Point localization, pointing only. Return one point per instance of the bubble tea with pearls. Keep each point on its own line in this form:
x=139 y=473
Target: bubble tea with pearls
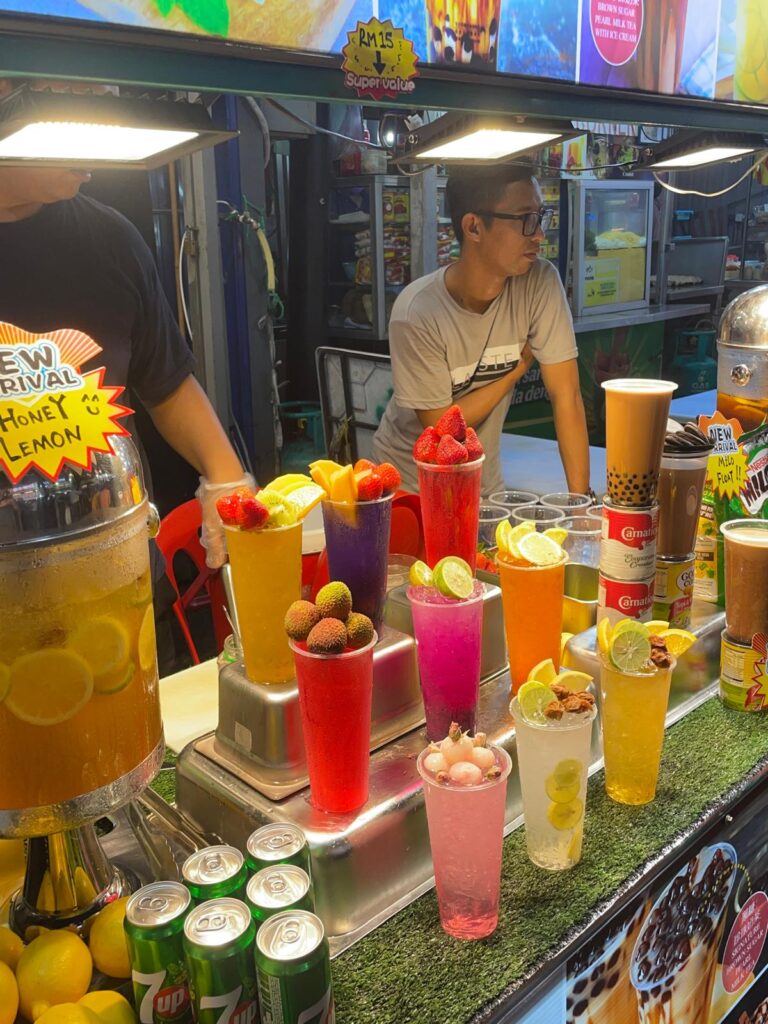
x=636 y=412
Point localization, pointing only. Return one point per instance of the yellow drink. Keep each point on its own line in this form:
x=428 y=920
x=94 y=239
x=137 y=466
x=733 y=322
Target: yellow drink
x=266 y=576
x=634 y=708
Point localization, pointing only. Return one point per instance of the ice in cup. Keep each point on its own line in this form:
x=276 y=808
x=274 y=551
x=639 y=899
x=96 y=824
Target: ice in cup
x=674 y=961
x=532 y=577
x=681 y=485
x=636 y=412
x=333 y=651
x=746 y=578
x=465 y=792
x=553 y=730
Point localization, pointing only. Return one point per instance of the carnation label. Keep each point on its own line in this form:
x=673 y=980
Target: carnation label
x=628 y=544
x=624 y=599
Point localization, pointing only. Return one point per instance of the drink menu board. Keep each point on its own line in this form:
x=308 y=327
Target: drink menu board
x=712 y=49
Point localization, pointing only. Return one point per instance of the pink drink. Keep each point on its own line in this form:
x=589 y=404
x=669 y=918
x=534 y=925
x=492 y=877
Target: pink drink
x=450 y=510
x=466 y=829
x=449 y=633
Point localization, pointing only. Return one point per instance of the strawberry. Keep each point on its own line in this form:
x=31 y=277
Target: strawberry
x=228 y=508
x=474 y=448
x=450 y=452
x=363 y=464
x=452 y=423
x=425 y=449
x=390 y=477
x=369 y=487
x=252 y=514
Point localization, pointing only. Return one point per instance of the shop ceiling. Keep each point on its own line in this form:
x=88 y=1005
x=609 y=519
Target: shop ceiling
x=32 y=48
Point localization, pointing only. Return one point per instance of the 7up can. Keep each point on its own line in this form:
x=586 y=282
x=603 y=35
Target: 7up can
x=214 y=872
x=218 y=943
x=280 y=842
x=154 y=925
x=294 y=970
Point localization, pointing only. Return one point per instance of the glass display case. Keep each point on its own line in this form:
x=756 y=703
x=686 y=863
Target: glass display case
x=369 y=253
x=611 y=245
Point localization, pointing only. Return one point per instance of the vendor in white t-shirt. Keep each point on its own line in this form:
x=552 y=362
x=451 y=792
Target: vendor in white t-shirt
x=468 y=332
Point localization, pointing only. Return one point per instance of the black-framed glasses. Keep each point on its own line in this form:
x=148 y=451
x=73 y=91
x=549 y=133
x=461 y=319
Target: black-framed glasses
x=531 y=221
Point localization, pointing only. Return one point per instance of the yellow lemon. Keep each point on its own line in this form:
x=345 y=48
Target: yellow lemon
x=107 y=940
x=564 y=652
x=110 y=1007
x=604 y=632
x=9 y=995
x=5 y=681
x=49 y=686
x=55 y=968
x=11 y=948
x=573 y=680
x=147 y=643
x=538 y=549
x=557 y=534
x=566 y=815
x=544 y=672
x=105 y=644
x=69 y=1013
x=678 y=640
x=656 y=626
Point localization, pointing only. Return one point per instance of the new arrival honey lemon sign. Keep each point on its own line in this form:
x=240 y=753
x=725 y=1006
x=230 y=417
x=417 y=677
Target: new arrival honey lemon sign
x=50 y=413
x=378 y=60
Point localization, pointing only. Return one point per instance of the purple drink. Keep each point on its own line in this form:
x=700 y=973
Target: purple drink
x=357 y=545
x=448 y=633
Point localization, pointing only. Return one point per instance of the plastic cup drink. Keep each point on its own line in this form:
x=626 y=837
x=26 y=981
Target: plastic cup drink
x=543 y=517
x=746 y=578
x=335 y=693
x=450 y=510
x=490 y=517
x=218 y=946
x=532 y=600
x=357 y=545
x=449 y=634
x=633 y=711
x=583 y=541
x=553 y=758
x=466 y=829
x=636 y=413
x=266 y=577
x=214 y=872
x=513 y=499
x=570 y=502
x=681 y=486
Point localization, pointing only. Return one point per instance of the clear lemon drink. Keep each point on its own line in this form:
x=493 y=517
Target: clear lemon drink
x=79 y=703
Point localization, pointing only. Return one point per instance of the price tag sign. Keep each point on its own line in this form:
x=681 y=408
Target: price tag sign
x=379 y=61
x=50 y=413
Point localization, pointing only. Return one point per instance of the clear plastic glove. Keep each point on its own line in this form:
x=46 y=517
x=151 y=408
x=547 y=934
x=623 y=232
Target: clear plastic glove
x=212 y=535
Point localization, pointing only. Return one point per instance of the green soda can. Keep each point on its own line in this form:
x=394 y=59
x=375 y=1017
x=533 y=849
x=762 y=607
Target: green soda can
x=294 y=969
x=154 y=927
x=277 y=843
x=273 y=890
x=214 y=872
x=218 y=944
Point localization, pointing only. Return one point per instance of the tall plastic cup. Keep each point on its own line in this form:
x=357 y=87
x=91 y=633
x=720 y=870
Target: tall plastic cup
x=466 y=830
x=335 y=692
x=532 y=600
x=633 y=712
x=450 y=510
x=266 y=578
x=681 y=485
x=449 y=634
x=746 y=578
x=357 y=544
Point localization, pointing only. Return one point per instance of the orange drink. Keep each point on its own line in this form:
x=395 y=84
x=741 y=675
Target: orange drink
x=266 y=576
x=79 y=703
x=532 y=598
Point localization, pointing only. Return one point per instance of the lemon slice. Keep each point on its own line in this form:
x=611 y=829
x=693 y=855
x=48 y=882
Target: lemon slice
x=656 y=626
x=557 y=534
x=574 y=847
x=604 y=632
x=503 y=530
x=453 y=577
x=538 y=549
x=561 y=792
x=567 y=772
x=533 y=697
x=508 y=536
x=565 y=816
x=545 y=672
x=623 y=624
x=420 y=575
x=573 y=680
x=105 y=644
x=677 y=640
x=5 y=681
x=116 y=683
x=303 y=499
x=630 y=648
x=49 y=686
x=147 y=642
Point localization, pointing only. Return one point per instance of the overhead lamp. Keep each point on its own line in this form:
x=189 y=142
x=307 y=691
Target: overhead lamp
x=72 y=130
x=471 y=139
x=687 y=150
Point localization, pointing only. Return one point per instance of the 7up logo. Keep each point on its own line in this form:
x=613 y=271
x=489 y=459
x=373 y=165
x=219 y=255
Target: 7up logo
x=233 y=1010
x=158 y=1005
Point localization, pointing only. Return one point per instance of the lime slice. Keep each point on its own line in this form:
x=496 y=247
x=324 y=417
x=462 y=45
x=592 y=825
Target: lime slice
x=622 y=624
x=49 y=686
x=560 y=792
x=538 y=549
x=557 y=534
x=533 y=697
x=565 y=816
x=573 y=680
x=604 y=633
x=656 y=626
x=630 y=649
x=677 y=640
x=420 y=575
x=567 y=772
x=453 y=577
x=147 y=644
x=545 y=672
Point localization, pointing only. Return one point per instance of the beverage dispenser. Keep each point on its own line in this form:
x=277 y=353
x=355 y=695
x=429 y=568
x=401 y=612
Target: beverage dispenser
x=742 y=351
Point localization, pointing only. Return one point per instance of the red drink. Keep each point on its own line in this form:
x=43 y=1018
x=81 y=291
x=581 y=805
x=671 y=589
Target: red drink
x=335 y=697
x=450 y=510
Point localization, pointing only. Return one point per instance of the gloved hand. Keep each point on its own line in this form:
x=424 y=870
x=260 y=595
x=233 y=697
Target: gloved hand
x=212 y=536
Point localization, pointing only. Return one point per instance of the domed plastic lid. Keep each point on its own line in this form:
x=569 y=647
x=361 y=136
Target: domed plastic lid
x=744 y=322
x=38 y=511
